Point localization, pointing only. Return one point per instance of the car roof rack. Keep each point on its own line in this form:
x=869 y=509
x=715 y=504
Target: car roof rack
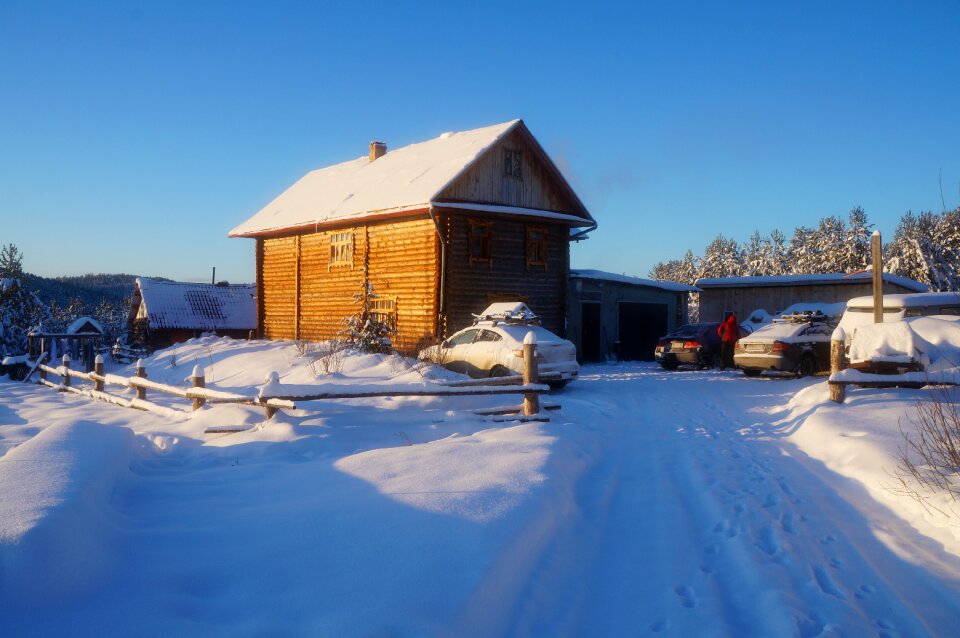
x=806 y=315
x=509 y=318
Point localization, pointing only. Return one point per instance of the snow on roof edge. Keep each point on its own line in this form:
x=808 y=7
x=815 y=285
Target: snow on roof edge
x=808 y=279
x=601 y=275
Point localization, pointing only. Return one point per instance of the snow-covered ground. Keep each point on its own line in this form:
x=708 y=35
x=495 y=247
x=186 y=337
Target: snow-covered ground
x=694 y=503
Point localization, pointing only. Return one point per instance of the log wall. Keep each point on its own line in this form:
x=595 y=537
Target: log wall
x=306 y=297
x=472 y=287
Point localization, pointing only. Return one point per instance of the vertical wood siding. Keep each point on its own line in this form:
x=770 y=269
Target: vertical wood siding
x=486 y=182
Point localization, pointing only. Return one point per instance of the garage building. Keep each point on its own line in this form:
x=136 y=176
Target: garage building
x=612 y=316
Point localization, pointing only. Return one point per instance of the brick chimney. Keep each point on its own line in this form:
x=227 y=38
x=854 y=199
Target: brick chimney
x=377 y=149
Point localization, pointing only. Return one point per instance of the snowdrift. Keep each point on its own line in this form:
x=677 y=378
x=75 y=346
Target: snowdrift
x=55 y=518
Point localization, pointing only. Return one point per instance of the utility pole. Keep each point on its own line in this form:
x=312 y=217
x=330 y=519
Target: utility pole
x=877 y=277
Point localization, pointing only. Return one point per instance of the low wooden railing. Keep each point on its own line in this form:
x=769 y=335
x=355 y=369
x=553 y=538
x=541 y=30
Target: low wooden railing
x=274 y=396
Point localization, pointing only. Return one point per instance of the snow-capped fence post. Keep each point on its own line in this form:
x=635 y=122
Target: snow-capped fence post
x=141 y=372
x=98 y=370
x=65 y=378
x=531 y=374
x=837 y=363
x=269 y=388
x=199 y=381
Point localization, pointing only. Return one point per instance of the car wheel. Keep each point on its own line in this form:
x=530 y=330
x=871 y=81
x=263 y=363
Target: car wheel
x=669 y=364
x=500 y=371
x=558 y=385
x=747 y=372
x=807 y=367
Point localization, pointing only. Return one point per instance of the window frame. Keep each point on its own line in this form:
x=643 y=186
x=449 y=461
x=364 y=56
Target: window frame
x=531 y=259
x=341 y=249
x=513 y=163
x=472 y=226
x=384 y=310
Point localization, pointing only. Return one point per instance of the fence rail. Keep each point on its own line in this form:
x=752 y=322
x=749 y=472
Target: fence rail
x=272 y=396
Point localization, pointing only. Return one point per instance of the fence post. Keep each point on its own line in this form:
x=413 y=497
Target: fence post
x=199 y=381
x=273 y=378
x=142 y=373
x=98 y=370
x=837 y=363
x=531 y=374
x=65 y=380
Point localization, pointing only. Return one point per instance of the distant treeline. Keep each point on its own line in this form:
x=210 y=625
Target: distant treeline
x=925 y=247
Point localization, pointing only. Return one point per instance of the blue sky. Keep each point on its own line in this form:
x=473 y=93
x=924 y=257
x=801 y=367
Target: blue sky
x=134 y=136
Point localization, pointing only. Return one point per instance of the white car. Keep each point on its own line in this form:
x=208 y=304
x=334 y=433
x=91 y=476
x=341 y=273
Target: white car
x=493 y=347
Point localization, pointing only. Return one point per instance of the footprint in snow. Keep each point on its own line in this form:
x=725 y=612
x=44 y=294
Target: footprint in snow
x=786 y=523
x=865 y=591
x=829 y=538
x=660 y=625
x=688 y=597
x=836 y=563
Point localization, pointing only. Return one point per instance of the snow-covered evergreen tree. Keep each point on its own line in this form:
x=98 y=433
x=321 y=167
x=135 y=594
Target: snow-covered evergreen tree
x=829 y=241
x=20 y=311
x=856 y=245
x=804 y=255
x=776 y=255
x=722 y=258
x=754 y=257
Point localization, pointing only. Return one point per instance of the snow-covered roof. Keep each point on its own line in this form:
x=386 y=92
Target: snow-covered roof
x=859 y=277
x=198 y=306
x=74 y=327
x=406 y=179
x=908 y=300
x=635 y=281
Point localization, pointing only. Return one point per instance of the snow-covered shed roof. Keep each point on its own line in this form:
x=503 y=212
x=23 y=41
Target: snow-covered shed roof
x=191 y=306
x=635 y=281
x=84 y=322
x=406 y=179
x=859 y=277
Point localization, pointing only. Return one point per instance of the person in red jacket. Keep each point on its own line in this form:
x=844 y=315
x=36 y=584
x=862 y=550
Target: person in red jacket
x=729 y=332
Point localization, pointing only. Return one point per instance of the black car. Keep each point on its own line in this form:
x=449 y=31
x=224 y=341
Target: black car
x=695 y=344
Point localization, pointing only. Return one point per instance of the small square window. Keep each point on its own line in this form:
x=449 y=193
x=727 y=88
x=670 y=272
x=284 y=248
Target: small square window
x=536 y=246
x=511 y=163
x=341 y=249
x=480 y=239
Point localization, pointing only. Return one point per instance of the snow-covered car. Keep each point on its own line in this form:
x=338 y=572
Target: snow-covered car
x=493 y=347
x=896 y=307
x=797 y=343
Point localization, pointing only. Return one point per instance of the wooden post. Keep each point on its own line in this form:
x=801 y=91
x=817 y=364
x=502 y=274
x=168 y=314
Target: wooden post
x=98 y=370
x=199 y=381
x=838 y=362
x=531 y=374
x=65 y=380
x=877 y=251
x=142 y=373
x=269 y=385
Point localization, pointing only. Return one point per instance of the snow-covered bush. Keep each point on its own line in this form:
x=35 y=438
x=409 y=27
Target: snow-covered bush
x=369 y=330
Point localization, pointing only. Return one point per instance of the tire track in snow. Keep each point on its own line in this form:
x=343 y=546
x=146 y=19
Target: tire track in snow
x=691 y=519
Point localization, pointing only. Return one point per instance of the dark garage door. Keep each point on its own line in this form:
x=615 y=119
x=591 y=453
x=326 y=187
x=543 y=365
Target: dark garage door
x=641 y=324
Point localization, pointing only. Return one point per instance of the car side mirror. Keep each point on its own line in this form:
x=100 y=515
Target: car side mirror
x=445 y=344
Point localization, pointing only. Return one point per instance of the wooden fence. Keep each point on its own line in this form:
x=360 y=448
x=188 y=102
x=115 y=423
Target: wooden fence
x=272 y=397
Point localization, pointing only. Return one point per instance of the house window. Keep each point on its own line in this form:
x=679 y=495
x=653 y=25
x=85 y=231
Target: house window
x=480 y=242
x=511 y=163
x=341 y=249
x=384 y=311
x=536 y=246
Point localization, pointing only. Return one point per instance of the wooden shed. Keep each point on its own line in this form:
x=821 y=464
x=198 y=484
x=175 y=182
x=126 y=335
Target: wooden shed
x=743 y=295
x=166 y=312
x=616 y=316
x=436 y=231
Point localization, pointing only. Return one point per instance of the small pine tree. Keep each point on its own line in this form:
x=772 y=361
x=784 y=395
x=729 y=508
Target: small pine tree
x=368 y=330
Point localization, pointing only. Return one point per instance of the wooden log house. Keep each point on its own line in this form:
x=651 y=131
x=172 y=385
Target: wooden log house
x=436 y=230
